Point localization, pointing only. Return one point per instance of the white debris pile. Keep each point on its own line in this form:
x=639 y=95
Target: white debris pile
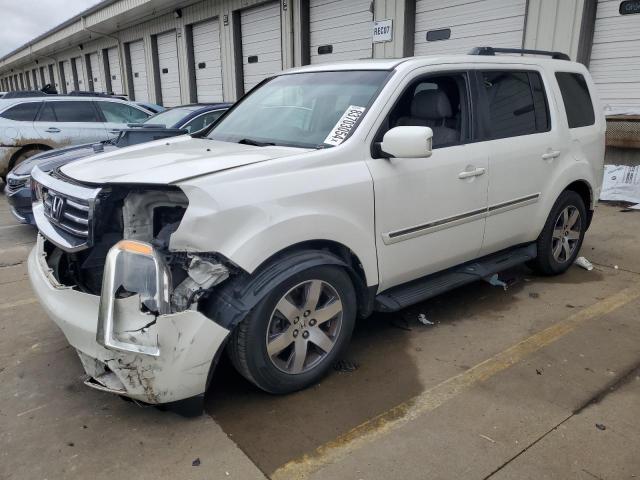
x=621 y=183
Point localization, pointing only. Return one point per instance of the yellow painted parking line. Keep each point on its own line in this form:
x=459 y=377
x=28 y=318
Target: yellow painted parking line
x=430 y=399
x=17 y=303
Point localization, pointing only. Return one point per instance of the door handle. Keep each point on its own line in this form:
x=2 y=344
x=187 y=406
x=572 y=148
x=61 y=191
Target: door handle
x=551 y=155
x=115 y=131
x=52 y=130
x=472 y=173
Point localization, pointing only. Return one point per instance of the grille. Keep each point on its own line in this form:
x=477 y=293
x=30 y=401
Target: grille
x=66 y=213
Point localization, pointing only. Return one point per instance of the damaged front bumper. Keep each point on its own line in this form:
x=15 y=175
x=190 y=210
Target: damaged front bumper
x=146 y=354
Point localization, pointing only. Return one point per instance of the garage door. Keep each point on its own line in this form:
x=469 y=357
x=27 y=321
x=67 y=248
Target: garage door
x=115 y=75
x=615 y=59
x=261 y=43
x=452 y=26
x=340 y=30
x=139 y=71
x=83 y=85
x=96 y=77
x=68 y=76
x=168 y=66
x=206 y=56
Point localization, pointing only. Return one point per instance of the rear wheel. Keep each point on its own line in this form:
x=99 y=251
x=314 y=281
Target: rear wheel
x=293 y=336
x=562 y=236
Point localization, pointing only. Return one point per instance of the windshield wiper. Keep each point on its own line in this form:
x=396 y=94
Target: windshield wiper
x=255 y=143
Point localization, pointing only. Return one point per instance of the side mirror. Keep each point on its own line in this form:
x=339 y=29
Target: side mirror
x=407 y=142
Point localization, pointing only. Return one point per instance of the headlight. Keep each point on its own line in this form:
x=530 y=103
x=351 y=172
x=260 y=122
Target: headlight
x=36 y=190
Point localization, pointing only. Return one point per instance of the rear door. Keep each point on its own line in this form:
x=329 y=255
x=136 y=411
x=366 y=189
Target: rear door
x=70 y=122
x=524 y=153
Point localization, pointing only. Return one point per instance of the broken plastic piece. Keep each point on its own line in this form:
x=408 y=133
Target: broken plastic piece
x=422 y=318
x=496 y=282
x=584 y=263
x=202 y=275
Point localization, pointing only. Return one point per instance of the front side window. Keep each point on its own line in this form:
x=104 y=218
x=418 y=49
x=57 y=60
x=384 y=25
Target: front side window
x=25 y=112
x=576 y=99
x=516 y=103
x=68 y=112
x=120 y=113
x=439 y=102
x=308 y=110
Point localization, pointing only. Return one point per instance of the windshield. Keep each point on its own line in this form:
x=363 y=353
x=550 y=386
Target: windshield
x=310 y=110
x=170 y=117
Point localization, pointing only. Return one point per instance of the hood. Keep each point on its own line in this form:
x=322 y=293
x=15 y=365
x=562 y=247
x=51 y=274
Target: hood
x=52 y=159
x=170 y=160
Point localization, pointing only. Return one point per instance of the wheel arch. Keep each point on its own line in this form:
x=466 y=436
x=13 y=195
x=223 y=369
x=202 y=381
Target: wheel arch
x=230 y=302
x=24 y=148
x=583 y=188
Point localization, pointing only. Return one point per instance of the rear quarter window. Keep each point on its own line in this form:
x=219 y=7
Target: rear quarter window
x=576 y=99
x=25 y=112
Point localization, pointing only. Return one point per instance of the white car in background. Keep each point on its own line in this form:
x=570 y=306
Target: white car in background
x=34 y=124
x=325 y=194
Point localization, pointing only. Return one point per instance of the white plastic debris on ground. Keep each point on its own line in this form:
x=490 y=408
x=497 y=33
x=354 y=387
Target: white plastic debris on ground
x=621 y=183
x=584 y=263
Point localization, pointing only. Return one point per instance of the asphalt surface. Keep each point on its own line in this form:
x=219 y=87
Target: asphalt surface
x=539 y=381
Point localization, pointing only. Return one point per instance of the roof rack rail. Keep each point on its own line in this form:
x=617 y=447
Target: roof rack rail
x=522 y=51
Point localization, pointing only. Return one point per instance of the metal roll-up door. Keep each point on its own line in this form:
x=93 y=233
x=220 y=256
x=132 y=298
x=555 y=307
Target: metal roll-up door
x=206 y=57
x=168 y=66
x=83 y=85
x=139 y=71
x=261 y=43
x=340 y=30
x=615 y=58
x=68 y=75
x=96 y=77
x=114 y=70
x=451 y=26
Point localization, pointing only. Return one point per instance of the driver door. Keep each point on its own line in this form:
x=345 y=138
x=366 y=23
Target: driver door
x=430 y=212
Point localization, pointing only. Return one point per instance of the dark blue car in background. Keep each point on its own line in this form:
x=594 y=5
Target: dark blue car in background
x=187 y=119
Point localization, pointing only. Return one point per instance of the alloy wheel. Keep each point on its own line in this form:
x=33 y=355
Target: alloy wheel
x=304 y=326
x=566 y=234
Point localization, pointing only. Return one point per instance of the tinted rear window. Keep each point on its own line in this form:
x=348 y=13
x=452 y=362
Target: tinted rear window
x=576 y=99
x=517 y=103
x=69 y=112
x=25 y=112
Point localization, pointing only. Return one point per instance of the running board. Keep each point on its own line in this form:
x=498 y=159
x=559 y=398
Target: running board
x=427 y=287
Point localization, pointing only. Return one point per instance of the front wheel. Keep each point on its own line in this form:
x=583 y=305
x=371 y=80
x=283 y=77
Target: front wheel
x=293 y=336
x=562 y=236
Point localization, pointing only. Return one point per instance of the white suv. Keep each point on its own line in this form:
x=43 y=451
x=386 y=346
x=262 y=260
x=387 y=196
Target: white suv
x=327 y=193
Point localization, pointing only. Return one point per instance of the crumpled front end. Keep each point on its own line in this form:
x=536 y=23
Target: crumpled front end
x=126 y=348
x=130 y=305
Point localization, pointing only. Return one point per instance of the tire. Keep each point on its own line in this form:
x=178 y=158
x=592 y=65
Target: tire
x=286 y=320
x=562 y=235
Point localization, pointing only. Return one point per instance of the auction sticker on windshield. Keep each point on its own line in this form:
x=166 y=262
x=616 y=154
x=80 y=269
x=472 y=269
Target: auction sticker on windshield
x=340 y=132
